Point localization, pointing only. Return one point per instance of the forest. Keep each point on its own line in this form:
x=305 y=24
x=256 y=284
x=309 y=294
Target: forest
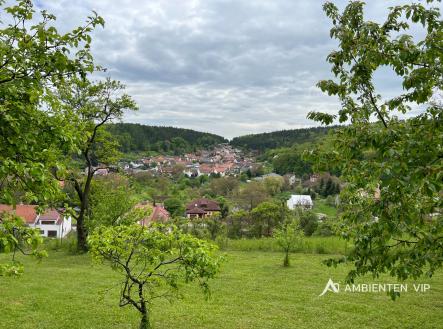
x=277 y=139
x=133 y=137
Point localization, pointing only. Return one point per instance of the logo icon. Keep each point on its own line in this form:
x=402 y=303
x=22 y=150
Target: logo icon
x=331 y=286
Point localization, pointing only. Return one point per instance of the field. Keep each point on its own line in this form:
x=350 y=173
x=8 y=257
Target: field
x=252 y=291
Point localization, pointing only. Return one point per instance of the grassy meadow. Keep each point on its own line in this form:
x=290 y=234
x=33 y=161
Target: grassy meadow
x=253 y=290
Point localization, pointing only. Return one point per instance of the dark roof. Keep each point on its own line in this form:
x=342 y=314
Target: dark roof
x=204 y=204
x=196 y=211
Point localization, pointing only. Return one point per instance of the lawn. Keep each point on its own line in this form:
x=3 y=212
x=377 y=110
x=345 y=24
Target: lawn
x=320 y=206
x=252 y=291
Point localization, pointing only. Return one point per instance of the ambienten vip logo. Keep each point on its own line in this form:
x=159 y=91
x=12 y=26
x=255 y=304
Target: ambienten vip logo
x=334 y=287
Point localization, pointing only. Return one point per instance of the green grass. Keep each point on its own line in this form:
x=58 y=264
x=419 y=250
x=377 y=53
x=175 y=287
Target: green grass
x=320 y=206
x=252 y=291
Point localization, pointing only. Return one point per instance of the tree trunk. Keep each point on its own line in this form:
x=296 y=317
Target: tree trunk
x=83 y=195
x=81 y=234
x=144 y=323
x=286 y=260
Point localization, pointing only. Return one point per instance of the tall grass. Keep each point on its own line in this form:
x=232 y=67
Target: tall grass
x=68 y=243
x=311 y=245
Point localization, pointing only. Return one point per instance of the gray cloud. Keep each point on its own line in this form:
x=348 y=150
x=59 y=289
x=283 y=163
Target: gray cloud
x=230 y=67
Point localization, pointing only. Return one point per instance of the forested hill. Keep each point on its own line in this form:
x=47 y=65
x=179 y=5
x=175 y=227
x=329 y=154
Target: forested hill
x=137 y=138
x=276 y=139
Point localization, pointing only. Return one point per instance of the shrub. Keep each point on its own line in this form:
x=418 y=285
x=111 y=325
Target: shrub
x=308 y=222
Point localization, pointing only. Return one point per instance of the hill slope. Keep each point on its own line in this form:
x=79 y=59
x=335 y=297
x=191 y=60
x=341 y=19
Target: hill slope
x=138 y=138
x=276 y=139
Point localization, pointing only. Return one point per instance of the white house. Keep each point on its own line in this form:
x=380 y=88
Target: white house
x=51 y=223
x=298 y=200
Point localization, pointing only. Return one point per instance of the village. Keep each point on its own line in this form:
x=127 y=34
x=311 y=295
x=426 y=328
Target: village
x=222 y=160
x=221 y=164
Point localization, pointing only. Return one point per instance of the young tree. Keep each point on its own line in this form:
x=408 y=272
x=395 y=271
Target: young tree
x=393 y=168
x=94 y=104
x=288 y=236
x=154 y=262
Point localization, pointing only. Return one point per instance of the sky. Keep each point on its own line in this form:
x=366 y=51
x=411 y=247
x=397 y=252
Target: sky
x=229 y=67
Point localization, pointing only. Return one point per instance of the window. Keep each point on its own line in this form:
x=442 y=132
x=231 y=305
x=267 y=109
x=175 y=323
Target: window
x=47 y=222
x=52 y=234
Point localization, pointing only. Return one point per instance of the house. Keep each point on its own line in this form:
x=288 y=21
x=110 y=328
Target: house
x=52 y=223
x=202 y=208
x=158 y=214
x=298 y=200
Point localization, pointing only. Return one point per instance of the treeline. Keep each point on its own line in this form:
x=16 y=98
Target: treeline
x=134 y=137
x=277 y=139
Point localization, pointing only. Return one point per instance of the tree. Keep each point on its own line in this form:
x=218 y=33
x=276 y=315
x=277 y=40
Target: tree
x=223 y=186
x=239 y=224
x=154 y=262
x=16 y=236
x=224 y=206
x=175 y=207
x=290 y=161
x=393 y=168
x=110 y=199
x=252 y=194
x=215 y=226
x=34 y=59
x=266 y=216
x=94 y=104
x=273 y=185
x=308 y=222
x=287 y=237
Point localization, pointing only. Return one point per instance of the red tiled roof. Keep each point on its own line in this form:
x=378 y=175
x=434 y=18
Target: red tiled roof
x=159 y=214
x=51 y=214
x=27 y=212
x=206 y=169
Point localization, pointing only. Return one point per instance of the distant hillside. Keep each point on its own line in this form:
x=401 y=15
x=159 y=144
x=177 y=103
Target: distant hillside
x=138 y=138
x=276 y=139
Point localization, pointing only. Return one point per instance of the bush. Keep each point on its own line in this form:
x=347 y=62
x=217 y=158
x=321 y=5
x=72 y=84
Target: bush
x=308 y=222
x=324 y=229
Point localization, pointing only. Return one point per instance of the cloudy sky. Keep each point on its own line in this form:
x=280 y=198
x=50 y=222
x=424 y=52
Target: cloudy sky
x=230 y=67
